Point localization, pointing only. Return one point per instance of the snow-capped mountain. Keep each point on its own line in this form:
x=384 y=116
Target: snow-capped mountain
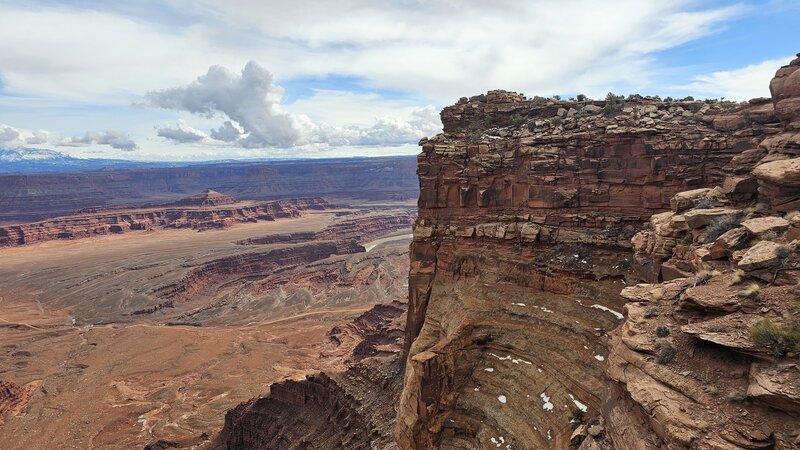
x=30 y=160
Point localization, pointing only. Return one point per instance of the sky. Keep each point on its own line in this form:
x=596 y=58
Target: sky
x=179 y=80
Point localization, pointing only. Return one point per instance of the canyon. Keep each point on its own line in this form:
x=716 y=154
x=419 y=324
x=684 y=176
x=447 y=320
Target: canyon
x=38 y=196
x=593 y=275
x=143 y=336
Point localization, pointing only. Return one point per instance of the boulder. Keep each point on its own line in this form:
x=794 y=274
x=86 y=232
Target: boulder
x=776 y=386
x=782 y=173
x=687 y=199
x=763 y=255
x=698 y=218
x=729 y=241
x=761 y=225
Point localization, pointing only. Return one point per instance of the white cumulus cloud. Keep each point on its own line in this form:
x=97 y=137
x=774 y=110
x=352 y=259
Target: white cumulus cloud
x=113 y=138
x=738 y=84
x=180 y=132
x=256 y=118
x=250 y=98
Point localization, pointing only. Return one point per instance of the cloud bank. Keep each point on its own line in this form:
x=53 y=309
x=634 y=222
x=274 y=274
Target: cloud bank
x=113 y=138
x=251 y=102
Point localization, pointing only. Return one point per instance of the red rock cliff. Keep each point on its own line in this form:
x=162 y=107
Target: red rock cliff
x=526 y=213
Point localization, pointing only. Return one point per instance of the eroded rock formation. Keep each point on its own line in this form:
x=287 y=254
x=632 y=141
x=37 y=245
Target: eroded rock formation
x=707 y=359
x=349 y=409
x=34 y=197
x=197 y=212
x=526 y=213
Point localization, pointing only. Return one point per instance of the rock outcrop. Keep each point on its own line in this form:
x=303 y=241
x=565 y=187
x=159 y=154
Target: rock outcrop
x=350 y=409
x=523 y=241
x=13 y=398
x=34 y=197
x=707 y=359
x=199 y=212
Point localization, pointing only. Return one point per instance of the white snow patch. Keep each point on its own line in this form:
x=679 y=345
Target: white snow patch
x=502 y=399
x=518 y=304
x=489 y=369
x=580 y=405
x=547 y=405
x=599 y=357
x=607 y=309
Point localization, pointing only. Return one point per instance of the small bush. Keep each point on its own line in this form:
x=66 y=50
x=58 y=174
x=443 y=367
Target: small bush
x=517 y=120
x=578 y=415
x=581 y=98
x=652 y=312
x=753 y=292
x=769 y=236
x=721 y=225
x=703 y=277
x=614 y=103
x=688 y=98
x=531 y=125
x=781 y=339
x=706 y=203
x=738 y=276
x=658 y=294
x=735 y=396
x=662 y=331
x=666 y=352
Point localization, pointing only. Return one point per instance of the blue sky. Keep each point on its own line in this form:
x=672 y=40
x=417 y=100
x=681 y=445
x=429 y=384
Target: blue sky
x=202 y=80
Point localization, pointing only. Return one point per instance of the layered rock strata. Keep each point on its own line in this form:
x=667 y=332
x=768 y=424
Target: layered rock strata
x=526 y=213
x=34 y=197
x=352 y=409
x=190 y=215
x=708 y=358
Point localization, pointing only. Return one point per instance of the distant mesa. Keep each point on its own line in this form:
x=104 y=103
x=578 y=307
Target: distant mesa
x=209 y=197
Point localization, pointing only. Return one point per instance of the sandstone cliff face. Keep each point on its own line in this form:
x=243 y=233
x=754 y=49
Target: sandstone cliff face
x=523 y=242
x=185 y=214
x=348 y=409
x=708 y=359
x=32 y=197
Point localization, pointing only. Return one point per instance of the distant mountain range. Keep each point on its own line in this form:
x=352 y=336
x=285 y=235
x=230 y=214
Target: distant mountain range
x=34 y=160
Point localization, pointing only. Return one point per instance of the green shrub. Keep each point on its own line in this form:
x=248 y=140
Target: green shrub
x=666 y=352
x=706 y=203
x=578 y=415
x=652 y=312
x=531 y=125
x=662 y=331
x=720 y=225
x=614 y=103
x=781 y=339
x=517 y=120
x=581 y=98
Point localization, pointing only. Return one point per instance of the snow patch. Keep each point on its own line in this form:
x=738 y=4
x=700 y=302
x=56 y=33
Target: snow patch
x=609 y=310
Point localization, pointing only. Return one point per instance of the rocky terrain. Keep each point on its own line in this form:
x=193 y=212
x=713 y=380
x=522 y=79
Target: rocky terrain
x=34 y=197
x=352 y=409
x=207 y=210
x=528 y=218
x=707 y=357
x=134 y=340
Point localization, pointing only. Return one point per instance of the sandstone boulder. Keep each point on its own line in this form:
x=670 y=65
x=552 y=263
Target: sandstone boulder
x=760 y=225
x=763 y=255
x=698 y=218
x=687 y=199
x=729 y=241
x=783 y=173
x=777 y=386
